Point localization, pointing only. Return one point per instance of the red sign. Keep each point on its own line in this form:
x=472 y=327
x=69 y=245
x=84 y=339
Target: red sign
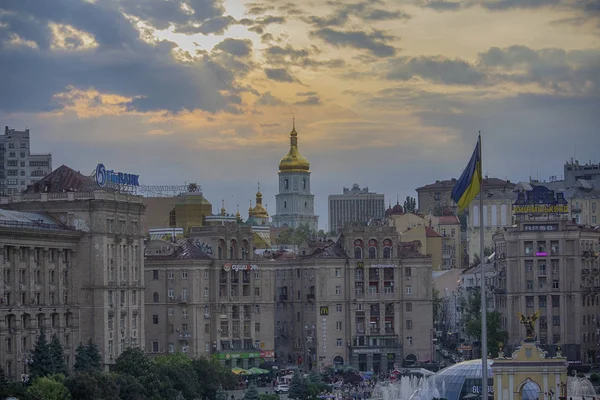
x=267 y=354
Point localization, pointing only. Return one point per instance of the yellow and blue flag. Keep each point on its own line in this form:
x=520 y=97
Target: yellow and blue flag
x=469 y=183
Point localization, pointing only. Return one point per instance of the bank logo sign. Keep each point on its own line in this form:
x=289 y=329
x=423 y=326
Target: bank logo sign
x=104 y=176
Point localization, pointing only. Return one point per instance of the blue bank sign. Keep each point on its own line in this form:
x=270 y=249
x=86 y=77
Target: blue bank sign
x=104 y=176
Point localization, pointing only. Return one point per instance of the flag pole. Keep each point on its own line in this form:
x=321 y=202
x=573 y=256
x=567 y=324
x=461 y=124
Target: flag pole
x=484 y=350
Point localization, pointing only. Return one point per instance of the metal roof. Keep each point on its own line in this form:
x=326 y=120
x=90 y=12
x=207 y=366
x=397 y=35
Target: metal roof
x=27 y=220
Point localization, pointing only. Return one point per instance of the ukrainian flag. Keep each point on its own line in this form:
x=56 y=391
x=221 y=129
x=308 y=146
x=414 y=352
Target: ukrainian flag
x=469 y=184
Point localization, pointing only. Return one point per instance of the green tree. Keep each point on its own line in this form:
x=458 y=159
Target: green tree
x=472 y=319
x=57 y=353
x=221 y=395
x=42 y=363
x=285 y=237
x=87 y=358
x=3 y=383
x=176 y=369
x=93 y=386
x=410 y=205
x=251 y=393
x=298 y=388
x=48 y=388
x=211 y=375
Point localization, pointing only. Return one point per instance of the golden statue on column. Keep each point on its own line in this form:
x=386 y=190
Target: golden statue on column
x=528 y=322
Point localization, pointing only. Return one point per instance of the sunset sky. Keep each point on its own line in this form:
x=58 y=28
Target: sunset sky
x=388 y=94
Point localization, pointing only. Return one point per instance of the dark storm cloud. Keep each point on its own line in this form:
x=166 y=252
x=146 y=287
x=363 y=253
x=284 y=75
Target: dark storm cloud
x=554 y=69
x=362 y=10
x=374 y=42
x=216 y=25
x=310 y=101
x=442 y=5
x=492 y=5
x=162 y=14
x=436 y=69
x=575 y=71
x=506 y=4
x=279 y=74
x=279 y=56
x=267 y=99
x=236 y=47
x=121 y=63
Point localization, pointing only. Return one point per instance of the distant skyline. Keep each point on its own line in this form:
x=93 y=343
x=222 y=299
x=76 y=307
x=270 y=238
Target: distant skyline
x=388 y=94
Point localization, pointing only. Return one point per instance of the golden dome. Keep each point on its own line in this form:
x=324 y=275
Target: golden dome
x=294 y=161
x=258 y=211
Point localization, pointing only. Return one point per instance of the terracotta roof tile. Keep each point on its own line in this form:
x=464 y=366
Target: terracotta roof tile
x=449 y=220
x=429 y=232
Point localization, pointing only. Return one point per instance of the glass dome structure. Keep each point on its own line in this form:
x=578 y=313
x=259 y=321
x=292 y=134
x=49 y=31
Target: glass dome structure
x=463 y=379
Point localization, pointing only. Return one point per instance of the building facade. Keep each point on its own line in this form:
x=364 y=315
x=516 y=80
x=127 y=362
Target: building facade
x=574 y=171
x=18 y=166
x=106 y=279
x=497 y=215
x=354 y=206
x=436 y=197
x=448 y=226
x=294 y=204
x=550 y=264
x=364 y=300
x=38 y=257
x=208 y=294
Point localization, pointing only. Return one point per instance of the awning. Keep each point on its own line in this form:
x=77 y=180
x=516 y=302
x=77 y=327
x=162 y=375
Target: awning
x=241 y=371
x=258 y=371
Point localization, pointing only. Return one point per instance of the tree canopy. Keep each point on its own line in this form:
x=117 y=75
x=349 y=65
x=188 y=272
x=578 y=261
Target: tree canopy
x=410 y=205
x=471 y=306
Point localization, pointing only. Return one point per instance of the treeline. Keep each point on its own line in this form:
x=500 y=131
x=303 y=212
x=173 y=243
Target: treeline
x=135 y=376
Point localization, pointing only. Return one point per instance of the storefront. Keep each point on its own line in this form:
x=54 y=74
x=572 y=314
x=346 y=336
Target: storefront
x=245 y=359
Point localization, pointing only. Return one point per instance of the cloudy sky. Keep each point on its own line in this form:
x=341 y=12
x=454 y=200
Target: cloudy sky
x=389 y=94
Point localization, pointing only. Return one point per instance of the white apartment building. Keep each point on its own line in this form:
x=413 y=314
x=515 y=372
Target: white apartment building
x=354 y=205
x=18 y=166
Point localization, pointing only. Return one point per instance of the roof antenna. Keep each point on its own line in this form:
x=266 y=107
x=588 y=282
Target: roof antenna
x=293 y=122
x=259 y=186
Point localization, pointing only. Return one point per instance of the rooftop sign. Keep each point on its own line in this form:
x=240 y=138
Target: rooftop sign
x=104 y=176
x=540 y=200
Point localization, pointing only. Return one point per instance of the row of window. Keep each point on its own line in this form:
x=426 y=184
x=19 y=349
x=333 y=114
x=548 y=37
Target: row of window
x=11 y=145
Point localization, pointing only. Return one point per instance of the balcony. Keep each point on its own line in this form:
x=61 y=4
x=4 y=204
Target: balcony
x=310 y=296
x=389 y=330
x=375 y=331
x=283 y=297
x=185 y=335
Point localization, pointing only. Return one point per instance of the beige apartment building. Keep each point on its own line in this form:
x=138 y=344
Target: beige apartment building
x=435 y=197
x=550 y=264
x=209 y=294
x=37 y=260
x=363 y=300
x=101 y=271
x=497 y=215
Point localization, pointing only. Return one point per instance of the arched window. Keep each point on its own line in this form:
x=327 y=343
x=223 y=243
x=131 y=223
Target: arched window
x=243 y=253
x=220 y=253
x=387 y=252
x=285 y=204
x=303 y=183
x=155 y=297
x=372 y=252
x=231 y=252
x=305 y=205
x=357 y=253
x=475 y=216
x=286 y=184
x=494 y=215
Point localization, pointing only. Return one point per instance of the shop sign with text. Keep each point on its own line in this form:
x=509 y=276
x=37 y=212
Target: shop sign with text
x=238 y=354
x=240 y=267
